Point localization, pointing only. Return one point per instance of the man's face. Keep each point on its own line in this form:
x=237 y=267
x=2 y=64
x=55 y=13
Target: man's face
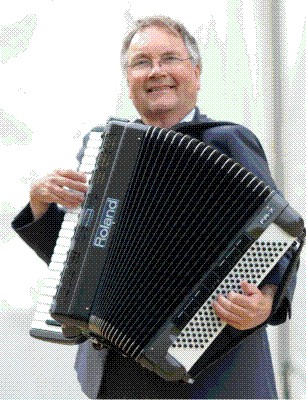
x=163 y=88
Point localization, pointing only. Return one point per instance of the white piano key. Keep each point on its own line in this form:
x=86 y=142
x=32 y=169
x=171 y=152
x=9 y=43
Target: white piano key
x=72 y=211
x=71 y=217
x=86 y=168
x=60 y=250
x=41 y=316
x=68 y=225
x=43 y=308
x=46 y=299
x=88 y=176
x=58 y=257
x=91 y=152
x=94 y=147
x=50 y=283
x=89 y=161
x=53 y=273
x=66 y=233
x=63 y=242
x=57 y=265
x=96 y=136
x=48 y=291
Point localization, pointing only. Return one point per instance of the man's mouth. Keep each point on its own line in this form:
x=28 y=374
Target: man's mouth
x=159 y=88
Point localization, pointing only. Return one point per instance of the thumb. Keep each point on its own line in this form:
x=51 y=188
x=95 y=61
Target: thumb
x=249 y=288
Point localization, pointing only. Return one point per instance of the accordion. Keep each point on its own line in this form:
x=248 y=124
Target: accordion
x=168 y=223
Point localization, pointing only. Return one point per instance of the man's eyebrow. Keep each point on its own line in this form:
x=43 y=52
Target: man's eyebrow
x=170 y=53
x=145 y=55
x=140 y=55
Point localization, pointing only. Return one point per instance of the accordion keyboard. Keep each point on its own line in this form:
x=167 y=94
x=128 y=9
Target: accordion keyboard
x=43 y=326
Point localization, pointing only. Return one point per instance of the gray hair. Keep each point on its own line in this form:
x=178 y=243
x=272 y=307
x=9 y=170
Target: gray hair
x=166 y=23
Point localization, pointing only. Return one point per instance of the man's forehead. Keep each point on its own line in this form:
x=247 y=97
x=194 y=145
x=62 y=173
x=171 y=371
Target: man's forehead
x=154 y=35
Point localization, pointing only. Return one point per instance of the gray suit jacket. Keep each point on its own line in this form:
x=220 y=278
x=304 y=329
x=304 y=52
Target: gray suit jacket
x=245 y=372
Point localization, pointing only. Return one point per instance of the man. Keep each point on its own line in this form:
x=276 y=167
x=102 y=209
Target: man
x=162 y=63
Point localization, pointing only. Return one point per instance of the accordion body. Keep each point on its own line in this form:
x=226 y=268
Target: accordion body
x=168 y=223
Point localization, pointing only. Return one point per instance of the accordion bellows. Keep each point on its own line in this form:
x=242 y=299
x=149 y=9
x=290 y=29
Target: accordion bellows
x=168 y=224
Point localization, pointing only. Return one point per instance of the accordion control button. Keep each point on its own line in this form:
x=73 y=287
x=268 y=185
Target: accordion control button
x=233 y=257
x=202 y=295
x=181 y=320
x=212 y=281
x=191 y=308
x=244 y=243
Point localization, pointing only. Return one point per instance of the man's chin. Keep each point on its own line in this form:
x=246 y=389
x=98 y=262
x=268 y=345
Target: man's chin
x=161 y=108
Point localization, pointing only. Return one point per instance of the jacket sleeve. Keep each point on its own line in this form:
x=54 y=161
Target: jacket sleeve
x=40 y=235
x=243 y=146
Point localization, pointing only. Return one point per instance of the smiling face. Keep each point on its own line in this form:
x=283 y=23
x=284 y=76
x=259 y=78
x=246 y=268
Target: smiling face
x=165 y=92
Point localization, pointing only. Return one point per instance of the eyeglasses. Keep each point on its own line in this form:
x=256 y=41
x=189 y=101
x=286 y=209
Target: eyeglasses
x=146 y=64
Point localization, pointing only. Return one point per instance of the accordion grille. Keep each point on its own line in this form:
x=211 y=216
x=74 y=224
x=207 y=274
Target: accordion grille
x=186 y=201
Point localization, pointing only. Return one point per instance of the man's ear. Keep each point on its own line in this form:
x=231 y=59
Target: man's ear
x=197 y=72
x=128 y=86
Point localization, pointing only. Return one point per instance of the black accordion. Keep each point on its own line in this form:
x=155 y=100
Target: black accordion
x=168 y=223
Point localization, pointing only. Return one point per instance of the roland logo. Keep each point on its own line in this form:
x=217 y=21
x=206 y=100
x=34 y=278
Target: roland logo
x=266 y=216
x=106 y=222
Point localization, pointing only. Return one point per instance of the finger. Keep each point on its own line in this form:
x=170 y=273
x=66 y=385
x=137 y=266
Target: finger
x=71 y=205
x=63 y=202
x=49 y=198
x=240 y=300
x=251 y=303
x=232 y=307
x=69 y=183
x=225 y=315
x=72 y=174
x=68 y=196
x=249 y=288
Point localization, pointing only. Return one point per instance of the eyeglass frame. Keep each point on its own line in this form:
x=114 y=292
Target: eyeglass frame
x=166 y=60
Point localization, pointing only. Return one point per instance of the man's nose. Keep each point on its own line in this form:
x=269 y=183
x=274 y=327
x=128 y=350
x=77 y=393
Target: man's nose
x=157 y=68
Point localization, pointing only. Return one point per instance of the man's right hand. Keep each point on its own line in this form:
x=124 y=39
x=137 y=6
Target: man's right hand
x=53 y=188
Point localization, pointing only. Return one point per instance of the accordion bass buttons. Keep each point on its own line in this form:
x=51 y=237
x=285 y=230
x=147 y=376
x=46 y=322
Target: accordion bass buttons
x=211 y=282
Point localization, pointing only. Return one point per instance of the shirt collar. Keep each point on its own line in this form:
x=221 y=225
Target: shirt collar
x=189 y=117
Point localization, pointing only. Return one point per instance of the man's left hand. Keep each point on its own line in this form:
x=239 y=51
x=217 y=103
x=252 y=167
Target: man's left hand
x=248 y=310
